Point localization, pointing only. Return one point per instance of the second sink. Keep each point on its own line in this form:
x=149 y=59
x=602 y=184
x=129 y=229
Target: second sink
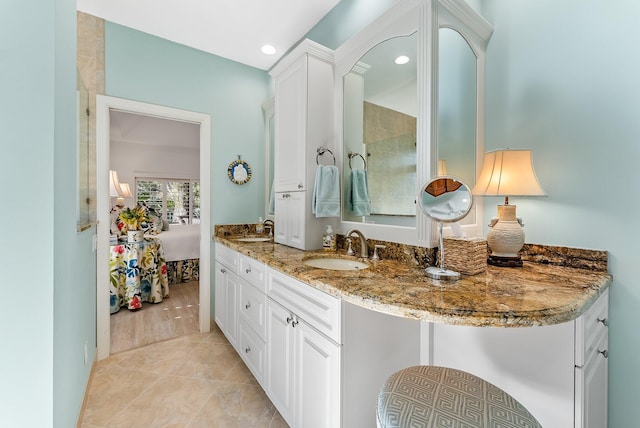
x=335 y=263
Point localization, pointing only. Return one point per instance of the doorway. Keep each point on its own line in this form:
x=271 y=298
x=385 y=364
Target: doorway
x=105 y=106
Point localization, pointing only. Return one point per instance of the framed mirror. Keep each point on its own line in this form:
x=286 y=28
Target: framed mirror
x=449 y=39
x=379 y=131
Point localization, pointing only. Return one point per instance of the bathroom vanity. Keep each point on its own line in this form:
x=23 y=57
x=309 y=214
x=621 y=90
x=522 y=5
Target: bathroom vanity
x=321 y=342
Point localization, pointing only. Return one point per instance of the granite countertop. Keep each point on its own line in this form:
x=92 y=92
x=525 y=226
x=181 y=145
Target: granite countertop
x=533 y=295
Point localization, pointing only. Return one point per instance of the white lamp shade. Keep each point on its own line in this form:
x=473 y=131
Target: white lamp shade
x=114 y=185
x=442 y=167
x=126 y=190
x=508 y=172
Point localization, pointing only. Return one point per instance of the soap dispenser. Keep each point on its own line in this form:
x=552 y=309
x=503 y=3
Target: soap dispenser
x=260 y=226
x=329 y=239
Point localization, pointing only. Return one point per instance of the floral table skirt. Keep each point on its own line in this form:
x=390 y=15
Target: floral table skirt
x=138 y=274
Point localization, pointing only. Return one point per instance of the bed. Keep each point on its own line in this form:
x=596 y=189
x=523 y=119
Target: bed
x=181 y=246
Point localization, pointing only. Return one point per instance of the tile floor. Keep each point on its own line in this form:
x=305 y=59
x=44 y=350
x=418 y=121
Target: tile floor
x=195 y=380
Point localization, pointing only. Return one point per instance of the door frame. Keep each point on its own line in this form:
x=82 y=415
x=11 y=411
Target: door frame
x=104 y=105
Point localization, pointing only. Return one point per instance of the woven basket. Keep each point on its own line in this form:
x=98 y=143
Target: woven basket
x=465 y=255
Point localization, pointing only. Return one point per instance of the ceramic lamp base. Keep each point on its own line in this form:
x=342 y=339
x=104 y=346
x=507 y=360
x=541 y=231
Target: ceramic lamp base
x=506 y=238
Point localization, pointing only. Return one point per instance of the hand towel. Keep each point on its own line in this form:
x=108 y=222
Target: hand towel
x=358 y=193
x=326 y=192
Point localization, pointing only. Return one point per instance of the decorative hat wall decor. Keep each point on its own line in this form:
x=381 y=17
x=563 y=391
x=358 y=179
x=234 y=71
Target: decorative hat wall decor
x=239 y=172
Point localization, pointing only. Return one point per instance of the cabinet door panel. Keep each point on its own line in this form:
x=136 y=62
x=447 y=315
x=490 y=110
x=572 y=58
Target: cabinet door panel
x=317 y=374
x=280 y=356
x=252 y=351
x=591 y=388
x=296 y=219
x=290 y=113
x=231 y=309
x=220 y=287
x=252 y=308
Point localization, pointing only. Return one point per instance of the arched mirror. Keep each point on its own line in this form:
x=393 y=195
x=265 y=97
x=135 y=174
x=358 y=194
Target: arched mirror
x=379 y=134
x=457 y=109
x=438 y=106
x=445 y=200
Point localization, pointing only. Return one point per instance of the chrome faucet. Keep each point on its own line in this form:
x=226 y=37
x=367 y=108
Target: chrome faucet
x=364 y=247
x=270 y=225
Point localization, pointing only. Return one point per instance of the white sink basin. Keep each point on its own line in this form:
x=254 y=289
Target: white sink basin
x=254 y=239
x=335 y=264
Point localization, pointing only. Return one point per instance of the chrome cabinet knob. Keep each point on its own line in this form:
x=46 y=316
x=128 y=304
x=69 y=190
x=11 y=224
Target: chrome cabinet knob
x=300 y=186
x=604 y=353
x=289 y=319
x=294 y=323
x=247 y=349
x=223 y=271
x=248 y=305
x=248 y=270
x=604 y=321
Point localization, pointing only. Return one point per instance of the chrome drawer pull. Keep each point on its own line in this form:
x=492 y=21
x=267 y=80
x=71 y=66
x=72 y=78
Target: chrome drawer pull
x=248 y=305
x=604 y=321
x=604 y=353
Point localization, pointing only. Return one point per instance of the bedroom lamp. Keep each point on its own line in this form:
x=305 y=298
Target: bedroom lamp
x=507 y=172
x=114 y=185
x=125 y=193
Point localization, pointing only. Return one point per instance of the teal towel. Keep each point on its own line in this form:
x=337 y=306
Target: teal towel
x=358 y=193
x=326 y=192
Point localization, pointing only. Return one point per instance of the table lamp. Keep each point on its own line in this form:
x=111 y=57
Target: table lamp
x=507 y=172
x=114 y=185
x=125 y=193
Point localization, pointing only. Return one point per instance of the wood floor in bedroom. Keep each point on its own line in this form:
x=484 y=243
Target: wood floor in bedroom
x=193 y=380
x=174 y=316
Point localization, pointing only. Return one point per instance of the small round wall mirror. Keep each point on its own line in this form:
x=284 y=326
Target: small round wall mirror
x=446 y=200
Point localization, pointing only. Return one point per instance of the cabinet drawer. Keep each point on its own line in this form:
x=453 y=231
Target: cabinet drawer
x=252 y=351
x=252 y=308
x=227 y=257
x=590 y=327
x=318 y=309
x=252 y=271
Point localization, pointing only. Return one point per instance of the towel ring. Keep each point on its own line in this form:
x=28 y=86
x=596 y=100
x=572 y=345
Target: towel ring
x=321 y=151
x=353 y=155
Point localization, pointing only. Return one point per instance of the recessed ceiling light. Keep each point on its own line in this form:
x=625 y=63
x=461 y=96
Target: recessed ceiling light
x=402 y=59
x=268 y=50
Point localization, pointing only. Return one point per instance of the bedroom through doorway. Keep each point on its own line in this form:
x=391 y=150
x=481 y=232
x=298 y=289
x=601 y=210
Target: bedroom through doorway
x=163 y=155
x=159 y=160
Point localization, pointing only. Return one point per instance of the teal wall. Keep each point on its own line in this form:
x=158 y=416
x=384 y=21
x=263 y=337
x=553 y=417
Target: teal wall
x=145 y=68
x=48 y=269
x=562 y=79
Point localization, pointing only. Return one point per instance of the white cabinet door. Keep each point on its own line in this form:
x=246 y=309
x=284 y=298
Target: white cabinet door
x=226 y=301
x=317 y=376
x=290 y=213
x=290 y=127
x=219 y=295
x=231 y=308
x=280 y=356
x=591 y=388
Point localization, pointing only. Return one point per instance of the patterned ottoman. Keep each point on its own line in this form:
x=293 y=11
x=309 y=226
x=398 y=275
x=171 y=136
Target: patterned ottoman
x=431 y=396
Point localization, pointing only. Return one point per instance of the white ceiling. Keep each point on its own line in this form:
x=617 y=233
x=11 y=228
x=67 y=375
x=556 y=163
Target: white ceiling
x=233 y=29
x=141 y=129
